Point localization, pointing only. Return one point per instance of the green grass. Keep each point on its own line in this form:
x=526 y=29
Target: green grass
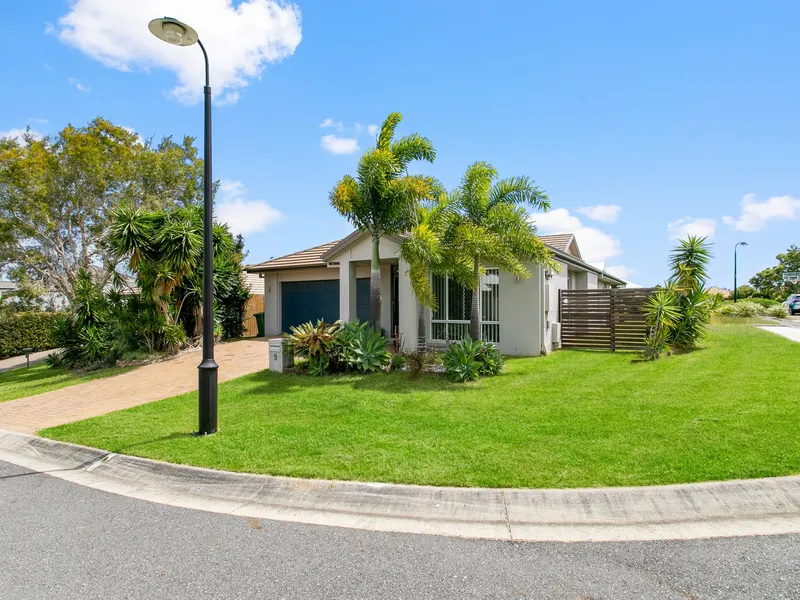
x=572 y=419
x=22 y=382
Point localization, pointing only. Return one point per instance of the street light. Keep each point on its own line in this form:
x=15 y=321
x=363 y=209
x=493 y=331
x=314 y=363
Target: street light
x=176 y=33
x=735 y=248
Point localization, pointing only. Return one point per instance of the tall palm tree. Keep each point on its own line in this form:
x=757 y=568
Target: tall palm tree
x=382 y=198
x=494 y=227
x=428 y=249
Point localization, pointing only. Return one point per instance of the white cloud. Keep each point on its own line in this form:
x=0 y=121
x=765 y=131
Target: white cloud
x=329 y=122
x=373 y=130
x=243 y=216
x=607 y=213
x=46 y=66
x=683 y=228
x=241 y=40
x=620 y=271
x=78 y=85
x=40 y=120
x=18 y=134
x=595 y=245
x=139 y=139
x=756 y=215
x=359 y=127
x=339 y=145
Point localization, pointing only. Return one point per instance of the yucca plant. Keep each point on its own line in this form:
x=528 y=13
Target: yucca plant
x=662 y=312
x=689 y=264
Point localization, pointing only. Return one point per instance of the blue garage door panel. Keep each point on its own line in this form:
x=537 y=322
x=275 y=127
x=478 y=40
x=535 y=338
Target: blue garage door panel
x=362 y=299
x=303 y=301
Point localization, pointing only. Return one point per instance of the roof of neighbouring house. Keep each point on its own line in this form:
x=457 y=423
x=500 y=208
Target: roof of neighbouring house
x=312 y=257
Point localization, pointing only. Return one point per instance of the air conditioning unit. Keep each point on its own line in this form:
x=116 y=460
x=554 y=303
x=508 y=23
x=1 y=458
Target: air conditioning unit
x=555 y=329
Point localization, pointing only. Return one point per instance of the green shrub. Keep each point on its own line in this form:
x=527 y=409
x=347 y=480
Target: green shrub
x=467 y=359
x=398 y=362
x=745 y=309
x=779 y=311
x=313 y=341
x=26 y=330
x=765 y=302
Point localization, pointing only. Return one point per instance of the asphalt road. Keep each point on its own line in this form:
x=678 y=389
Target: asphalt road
x=61 y=540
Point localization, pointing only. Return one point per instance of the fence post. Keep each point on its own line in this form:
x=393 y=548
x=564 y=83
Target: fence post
x=613 y=321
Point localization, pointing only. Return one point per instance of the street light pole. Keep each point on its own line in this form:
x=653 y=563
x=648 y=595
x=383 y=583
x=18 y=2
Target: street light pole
x=174 y=32
x=735 y=248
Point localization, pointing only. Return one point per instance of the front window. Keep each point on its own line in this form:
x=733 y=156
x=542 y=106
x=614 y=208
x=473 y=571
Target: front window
x=450 y=320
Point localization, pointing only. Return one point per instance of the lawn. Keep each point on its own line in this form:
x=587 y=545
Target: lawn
x=21 y=382
x=572 y=419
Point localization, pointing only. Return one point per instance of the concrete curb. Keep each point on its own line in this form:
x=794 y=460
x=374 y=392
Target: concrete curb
x=700 y=510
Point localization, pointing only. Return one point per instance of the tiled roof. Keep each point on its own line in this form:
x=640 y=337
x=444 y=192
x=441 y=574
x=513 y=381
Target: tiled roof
x=305 y=258
x=312 y=257
x=559 y=241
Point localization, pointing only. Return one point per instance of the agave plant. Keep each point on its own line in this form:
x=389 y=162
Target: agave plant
x=370 y=350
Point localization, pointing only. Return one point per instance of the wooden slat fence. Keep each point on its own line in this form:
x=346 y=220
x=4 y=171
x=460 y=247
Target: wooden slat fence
x=254 y=305
x=609 y=319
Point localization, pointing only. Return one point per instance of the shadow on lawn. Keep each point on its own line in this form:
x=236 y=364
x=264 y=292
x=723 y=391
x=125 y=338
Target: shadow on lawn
x=393 y=383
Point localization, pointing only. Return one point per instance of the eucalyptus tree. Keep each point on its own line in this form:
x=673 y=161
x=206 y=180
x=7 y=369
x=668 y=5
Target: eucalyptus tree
x=493 y=227
x=383 y=197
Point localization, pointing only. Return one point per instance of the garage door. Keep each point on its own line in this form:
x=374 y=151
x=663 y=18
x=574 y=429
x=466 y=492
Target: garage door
x=303 y=301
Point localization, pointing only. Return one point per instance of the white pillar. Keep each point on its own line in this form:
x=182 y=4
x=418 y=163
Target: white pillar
x=272 y=304
x=407 y=309
x=347 y=290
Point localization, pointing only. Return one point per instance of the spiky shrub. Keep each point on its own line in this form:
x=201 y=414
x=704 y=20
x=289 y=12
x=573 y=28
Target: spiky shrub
x=342 y=355
x=689 y=265
x=318 y=365
x=370 y=350
x=468 y=359
x=661 y=311
x=313 y=341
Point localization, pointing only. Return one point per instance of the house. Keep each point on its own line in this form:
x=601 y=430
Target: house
x=331 y=282
x=724 y=292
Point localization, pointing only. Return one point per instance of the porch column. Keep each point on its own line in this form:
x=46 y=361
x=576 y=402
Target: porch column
x=347 y=290
x=407 y=308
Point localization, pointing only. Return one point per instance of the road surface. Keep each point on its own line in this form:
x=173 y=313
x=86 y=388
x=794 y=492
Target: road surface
x=62 y=540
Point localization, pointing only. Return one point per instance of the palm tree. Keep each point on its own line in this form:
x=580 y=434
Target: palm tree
x=428 y=249
x=494 y=227
x=382 y=198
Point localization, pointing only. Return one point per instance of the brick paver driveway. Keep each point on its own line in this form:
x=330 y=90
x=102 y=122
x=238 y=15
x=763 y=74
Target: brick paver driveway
x=142 y=385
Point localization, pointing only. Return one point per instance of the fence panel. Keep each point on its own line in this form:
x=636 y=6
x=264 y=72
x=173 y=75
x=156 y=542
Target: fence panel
x=610 y=319
x=254 y=305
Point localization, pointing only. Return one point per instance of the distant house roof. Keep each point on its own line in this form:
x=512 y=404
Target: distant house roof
x=312 y=257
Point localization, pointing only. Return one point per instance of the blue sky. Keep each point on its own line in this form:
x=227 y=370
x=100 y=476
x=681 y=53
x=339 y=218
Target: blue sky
x=676 y=113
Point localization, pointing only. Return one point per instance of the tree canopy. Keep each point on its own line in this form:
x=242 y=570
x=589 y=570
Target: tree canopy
x=769 y=283
x=56 y=195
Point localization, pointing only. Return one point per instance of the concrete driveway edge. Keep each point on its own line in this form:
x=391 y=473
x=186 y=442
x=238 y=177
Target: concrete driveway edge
x=700 y=510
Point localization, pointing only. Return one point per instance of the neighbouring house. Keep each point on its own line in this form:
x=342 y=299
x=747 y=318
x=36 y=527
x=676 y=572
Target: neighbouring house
x=724 y=292
x=331 y=282
x=6 y=288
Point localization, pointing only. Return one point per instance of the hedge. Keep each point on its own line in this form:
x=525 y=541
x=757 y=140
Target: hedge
x=26 y=330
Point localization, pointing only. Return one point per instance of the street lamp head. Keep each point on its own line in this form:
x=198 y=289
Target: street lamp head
x=173 y=31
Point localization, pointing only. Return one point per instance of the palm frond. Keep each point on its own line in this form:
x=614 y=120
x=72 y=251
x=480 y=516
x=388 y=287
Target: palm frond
x=387 y=131
x=518 y=190
x=413 y=147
